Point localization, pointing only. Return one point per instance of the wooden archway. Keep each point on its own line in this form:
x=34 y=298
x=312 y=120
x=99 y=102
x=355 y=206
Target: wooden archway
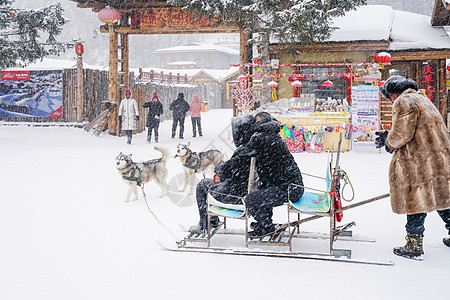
x=148 y=17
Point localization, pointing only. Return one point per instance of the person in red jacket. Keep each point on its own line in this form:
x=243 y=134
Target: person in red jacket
x=195 y=108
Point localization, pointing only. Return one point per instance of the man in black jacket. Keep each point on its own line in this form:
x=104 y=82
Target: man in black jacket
x=276 y=169
x=233 y=174
x=179 y=107
x=153 y=117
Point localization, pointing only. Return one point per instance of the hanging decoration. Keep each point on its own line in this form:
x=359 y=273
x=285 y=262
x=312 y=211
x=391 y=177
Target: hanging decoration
x=328 y=83
x=273 y=84
x=110 y=16
x=296 y=84
x=243 y=97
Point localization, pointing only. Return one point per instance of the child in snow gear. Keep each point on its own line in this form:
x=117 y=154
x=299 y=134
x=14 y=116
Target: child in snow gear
x=128 y=115
x=153 y=117
x=179 y=107
x=419 y=180
x=233 y=175
x=195 y=109
x=276 y=169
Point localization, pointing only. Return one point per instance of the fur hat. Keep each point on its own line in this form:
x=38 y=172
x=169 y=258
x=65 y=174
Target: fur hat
x=397 y=84
x=155 y=96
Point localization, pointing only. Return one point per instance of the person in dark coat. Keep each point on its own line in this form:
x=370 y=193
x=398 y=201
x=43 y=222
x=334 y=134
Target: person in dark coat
x=276 y=169
x=153 y=117
x=419 y=173
x=179 y=107
x=233 y=174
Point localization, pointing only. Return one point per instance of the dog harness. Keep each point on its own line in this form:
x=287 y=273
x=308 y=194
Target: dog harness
x=193 y=162
x=132 y=176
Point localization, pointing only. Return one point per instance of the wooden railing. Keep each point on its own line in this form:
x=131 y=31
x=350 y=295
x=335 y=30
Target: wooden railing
x=160 y=77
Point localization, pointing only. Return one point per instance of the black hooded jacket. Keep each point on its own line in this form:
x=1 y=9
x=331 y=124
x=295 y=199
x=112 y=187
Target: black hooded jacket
x=275 y=164
x=155 y=109
x=179 y=107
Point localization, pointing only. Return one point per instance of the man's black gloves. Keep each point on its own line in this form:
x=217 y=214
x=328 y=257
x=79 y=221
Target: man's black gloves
x=380 y=141
x=120 y=119
x=137 y=118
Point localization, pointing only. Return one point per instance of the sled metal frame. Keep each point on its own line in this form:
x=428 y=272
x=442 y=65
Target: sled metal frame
x=281 y=237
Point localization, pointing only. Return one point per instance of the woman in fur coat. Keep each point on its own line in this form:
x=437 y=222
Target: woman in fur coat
x=419 y=173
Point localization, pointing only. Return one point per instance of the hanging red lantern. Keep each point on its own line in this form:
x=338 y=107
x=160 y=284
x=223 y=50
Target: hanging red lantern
x=109 y=16
x=242 y=78
x=294 y=76
x=382 y=58
x=272 y=84
x=79 y=49
x=328 y=83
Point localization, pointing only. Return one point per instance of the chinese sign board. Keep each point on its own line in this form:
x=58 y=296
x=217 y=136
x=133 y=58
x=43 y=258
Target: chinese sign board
x=167 y=19
x=365 y=107
x=31 y=94
x=428 y=80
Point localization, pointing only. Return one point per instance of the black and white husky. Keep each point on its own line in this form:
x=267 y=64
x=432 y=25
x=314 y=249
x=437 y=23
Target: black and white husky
x=135 y=174
x=195 y=163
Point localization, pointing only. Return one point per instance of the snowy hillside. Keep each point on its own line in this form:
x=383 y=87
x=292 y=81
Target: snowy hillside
x=66 y=232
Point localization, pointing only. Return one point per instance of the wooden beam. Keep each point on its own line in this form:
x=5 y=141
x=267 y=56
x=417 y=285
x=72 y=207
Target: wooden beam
x=129 y=30
x=335 y=47
x=125 y=56
x=420 y=55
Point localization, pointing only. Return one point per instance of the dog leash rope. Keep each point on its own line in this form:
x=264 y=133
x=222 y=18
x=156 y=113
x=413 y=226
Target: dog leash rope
x=156 y=218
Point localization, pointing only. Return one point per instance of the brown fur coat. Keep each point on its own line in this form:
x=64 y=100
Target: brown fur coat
x=419 y=173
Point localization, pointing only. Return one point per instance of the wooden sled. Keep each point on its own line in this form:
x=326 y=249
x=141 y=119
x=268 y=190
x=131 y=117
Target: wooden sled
x=100 y=122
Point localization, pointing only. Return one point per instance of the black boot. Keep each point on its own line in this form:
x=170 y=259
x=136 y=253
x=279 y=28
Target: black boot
x=259 y=230
x=446 y=241
x=413 y=248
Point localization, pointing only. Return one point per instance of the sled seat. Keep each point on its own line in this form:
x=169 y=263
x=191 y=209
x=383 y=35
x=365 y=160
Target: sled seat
x=312 y=201
x=235 y=211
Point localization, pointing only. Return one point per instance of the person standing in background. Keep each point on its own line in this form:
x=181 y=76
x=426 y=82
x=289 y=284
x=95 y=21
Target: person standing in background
x=179 y=107
x=128 y=115
x=153 y=117
x=195 y=109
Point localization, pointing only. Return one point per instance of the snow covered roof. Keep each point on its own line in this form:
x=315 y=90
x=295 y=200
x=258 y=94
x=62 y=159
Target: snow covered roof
x=216 y=74
x=54 y=64
x=199 y=47
x=403 y=30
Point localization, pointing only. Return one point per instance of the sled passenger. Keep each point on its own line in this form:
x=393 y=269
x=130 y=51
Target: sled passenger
x=153 y=117
x=195 y=109
x=179 y=107
x=128 y=115
x=233 y=175
x=419 y=173
x=276 y=169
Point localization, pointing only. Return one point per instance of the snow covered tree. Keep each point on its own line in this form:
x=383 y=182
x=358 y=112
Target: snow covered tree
x=290 y=21
x=243 y=97
x=29 y=35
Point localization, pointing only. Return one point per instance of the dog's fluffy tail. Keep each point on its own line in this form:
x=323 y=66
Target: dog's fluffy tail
x=164 y=151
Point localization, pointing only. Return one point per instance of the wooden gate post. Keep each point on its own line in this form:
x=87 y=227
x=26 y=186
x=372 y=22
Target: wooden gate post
x=113 y=84
x=80 y=89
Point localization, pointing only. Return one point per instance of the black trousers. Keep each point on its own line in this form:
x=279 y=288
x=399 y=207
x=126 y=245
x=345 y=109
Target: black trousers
x=196 y=122
x=260 y=204
x=220 y=191
x=129 y=134
x=174 y=126
x=154 y=126
x=415 y=223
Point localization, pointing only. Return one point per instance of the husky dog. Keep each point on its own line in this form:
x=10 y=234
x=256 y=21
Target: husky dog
x=195 y=163
x=135 y=174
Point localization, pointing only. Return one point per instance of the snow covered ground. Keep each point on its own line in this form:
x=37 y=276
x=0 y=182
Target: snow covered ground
x=66 y=232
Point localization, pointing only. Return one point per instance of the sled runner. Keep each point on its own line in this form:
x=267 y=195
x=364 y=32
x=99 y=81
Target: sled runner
x=315 y=203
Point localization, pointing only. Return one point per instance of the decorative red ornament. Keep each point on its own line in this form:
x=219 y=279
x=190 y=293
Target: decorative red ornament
x=79 y=49
x=242 y=78
x=328 y=83
x=272 y=84
x=382 y=58
x=109 y=16
x=294 y=76
x=297 y=83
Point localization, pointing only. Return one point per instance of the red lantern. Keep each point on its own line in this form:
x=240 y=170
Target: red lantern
x=328 y=83
x=272 y=84
x=79 y=49
x=382 y=58
x=242 y=78
x=109 y=16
